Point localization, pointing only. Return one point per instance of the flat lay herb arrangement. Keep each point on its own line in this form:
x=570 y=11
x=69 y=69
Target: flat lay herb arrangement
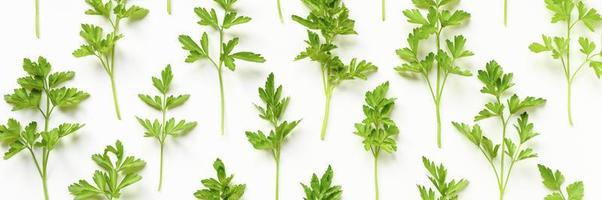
x=560 y=46
x=102 y=46
x=161 y=128
x=40 y=90
x=439 y=18
x=503 y=108
x=226 y=57
x=118 y=172
x=330 y=18
x=378 y=130
x=434 y=50
x=272 y=111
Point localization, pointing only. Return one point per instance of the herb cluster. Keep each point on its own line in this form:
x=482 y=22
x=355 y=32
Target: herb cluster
x=441 y=62
x=227 y=56
x=330 y=18
x=40 y=91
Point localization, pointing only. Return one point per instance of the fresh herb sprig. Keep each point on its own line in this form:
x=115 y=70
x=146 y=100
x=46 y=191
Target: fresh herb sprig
x=439 y=17
x=272 y=111
x=161 y=128
x=41 y=91
x=221 y=188
x=330 y=18
x=102 y=46
x=322 y=188
x=117 y=172
x=438 y=177
x=553 y=180
x=503 y=108
x=378 y=130
x=226 y=55
x=560 y=47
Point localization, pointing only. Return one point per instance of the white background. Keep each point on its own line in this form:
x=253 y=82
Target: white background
x=151 y=44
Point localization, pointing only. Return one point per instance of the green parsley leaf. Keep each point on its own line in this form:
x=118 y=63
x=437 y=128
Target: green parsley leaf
x=117 y=172
x=221 y=188
x=438 y=177
x=272 y=110
x=161 y=128
x=322 y=188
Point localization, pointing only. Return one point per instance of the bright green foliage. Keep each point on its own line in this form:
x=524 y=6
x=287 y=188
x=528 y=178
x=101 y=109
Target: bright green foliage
x=322 y=188
x=117 y=172
x=504 y=155
x=272 y=111
x=378 y=130
x=438 y=177
x=161 y=128
x=221 y=188
x=437 y=17
x=227 y=56
x=330 y=18
x=101 y=45
x=41 y=90
x=553 y=180
x=571 y=13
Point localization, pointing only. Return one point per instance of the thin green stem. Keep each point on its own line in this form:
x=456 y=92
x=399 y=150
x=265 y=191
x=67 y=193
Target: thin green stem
x=568 y=69
x=37 y=5
x=383 y=10
x=221 y=92
x=438 y=113
x=280 y=11
x=505 y=12
x=115 y=101
x=376 y=191
x=221 y=82
x=169 y=7
x=162 y=139
x=277 y=177
x=329 y=92
x=160 y=166
x=45 y=186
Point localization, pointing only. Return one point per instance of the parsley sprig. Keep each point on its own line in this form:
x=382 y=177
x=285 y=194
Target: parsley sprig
x=118 y=171
x=439 y=17
x=322 y=188
x=560 y=47
x=272 y=111
x=160 y=129
x=40 y=90
x=102 y=46
x=378 y=130
x=226 y=55
x=553 y=180
x=330 y=18
x=221 y=188
x=438 y=177
x=503 y=108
